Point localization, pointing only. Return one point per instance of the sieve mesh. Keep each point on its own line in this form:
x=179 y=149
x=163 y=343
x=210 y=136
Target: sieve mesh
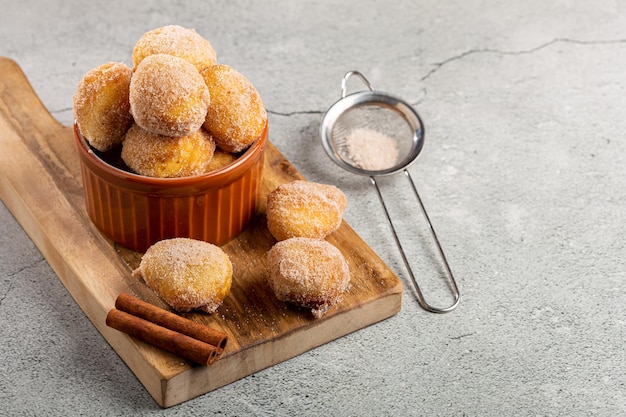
x=372 y=137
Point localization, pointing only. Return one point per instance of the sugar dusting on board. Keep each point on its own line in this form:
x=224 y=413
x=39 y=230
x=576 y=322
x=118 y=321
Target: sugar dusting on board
x=371 y=150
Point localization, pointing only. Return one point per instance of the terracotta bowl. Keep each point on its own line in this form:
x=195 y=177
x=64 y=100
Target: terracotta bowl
x=137 y=211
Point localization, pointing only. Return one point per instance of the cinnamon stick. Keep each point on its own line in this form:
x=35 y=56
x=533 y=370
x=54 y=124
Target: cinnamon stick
x=154 y=314
x=166 y=339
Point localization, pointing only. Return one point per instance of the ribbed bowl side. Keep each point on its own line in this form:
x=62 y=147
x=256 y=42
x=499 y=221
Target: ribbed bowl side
x=233 y=207
x=137 y=221
x=137 y=213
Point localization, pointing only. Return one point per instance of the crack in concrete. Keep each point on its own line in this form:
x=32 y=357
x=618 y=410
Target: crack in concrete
x=6 y=294
x=462 y=336
x=63 y=110
x=293 y=113
x=465 y=54
x=439 y=65
x=13 y=274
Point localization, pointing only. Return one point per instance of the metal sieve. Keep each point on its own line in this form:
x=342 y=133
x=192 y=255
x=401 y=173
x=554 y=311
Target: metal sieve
x=362 y=132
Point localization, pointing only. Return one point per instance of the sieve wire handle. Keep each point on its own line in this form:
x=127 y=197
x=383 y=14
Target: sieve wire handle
x=344 y=87
x=420 y=297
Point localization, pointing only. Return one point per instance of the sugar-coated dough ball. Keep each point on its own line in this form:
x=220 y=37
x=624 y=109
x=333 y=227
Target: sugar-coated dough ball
x=187 y=273
x=220 y=160
x=236 y=116
x=178 y=41
x=101 y=105
x=161 y=156
x=310 y=273
x=304 y=209
x=168 y=96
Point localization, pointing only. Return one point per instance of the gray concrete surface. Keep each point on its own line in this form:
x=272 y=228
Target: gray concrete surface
x=523 y=174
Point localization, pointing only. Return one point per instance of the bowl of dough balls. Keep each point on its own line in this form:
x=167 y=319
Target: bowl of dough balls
x=172 y=146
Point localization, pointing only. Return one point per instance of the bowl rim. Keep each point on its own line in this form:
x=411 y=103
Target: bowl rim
x=220 y=174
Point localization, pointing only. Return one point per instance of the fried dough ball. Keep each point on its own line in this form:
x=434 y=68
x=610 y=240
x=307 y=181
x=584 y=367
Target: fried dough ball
x=304 y=209
x=187 y=273
x=236 y=116
x=310 y=273
x=101 y=105
x=161 y=156
x=178 y=41
x=168 y=96
x=220 y=160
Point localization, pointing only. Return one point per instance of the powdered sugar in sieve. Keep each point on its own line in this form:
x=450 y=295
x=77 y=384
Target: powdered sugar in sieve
x=371 y=150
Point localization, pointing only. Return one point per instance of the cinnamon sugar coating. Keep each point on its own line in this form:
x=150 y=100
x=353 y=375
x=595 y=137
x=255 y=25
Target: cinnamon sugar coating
x=220 y=160
x=101 y=105
x=304 y=209
x=236 y=116
x=187 y=274
x=177 y=41
x=309 y=273
x=161 y=156
x=168 y=96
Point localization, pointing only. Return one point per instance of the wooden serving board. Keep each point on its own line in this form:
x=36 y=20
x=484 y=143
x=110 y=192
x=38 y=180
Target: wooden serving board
x=40 y=183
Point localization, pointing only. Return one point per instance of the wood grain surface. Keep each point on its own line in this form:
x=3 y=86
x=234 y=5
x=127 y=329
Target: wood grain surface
x=41 y=185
